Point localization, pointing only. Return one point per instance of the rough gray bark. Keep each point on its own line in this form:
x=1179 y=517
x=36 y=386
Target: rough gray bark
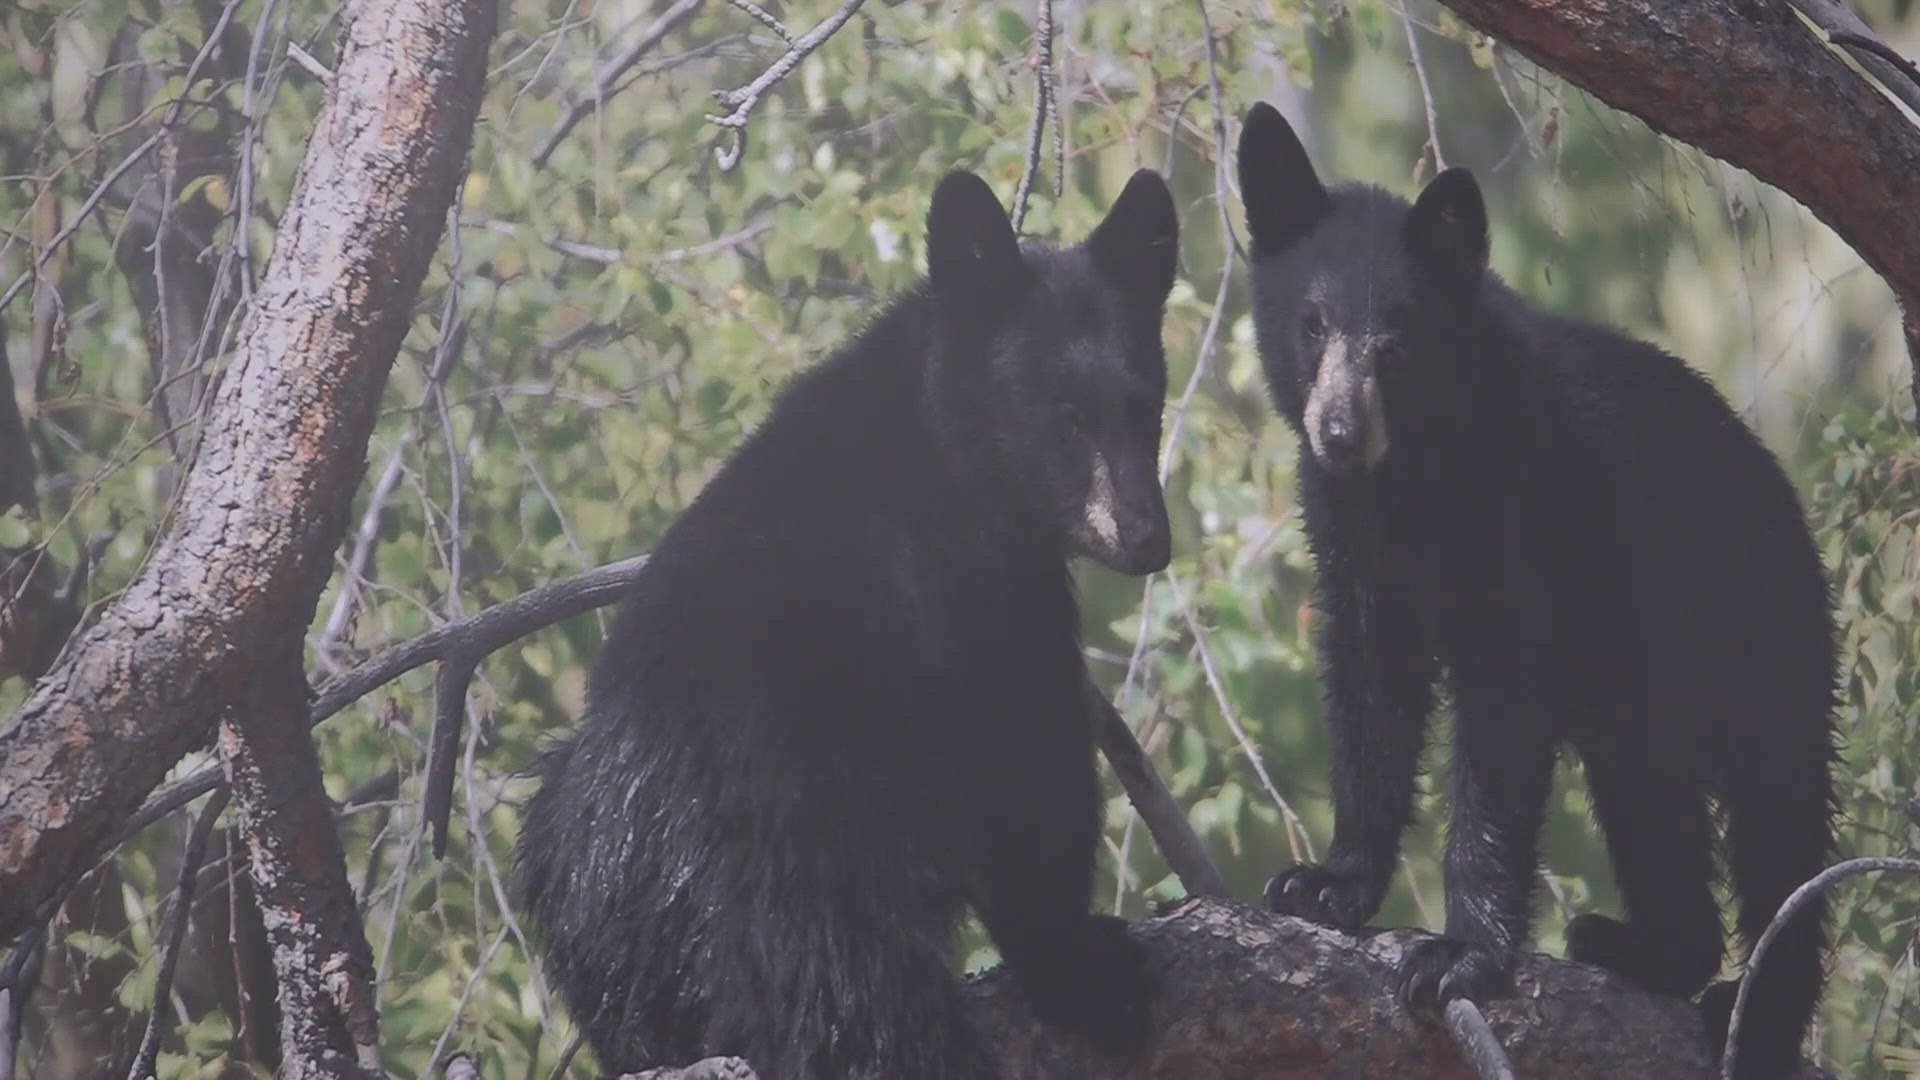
x=1748 y=82
x=329 y=1020
x=242 y=565
x=1245 y=993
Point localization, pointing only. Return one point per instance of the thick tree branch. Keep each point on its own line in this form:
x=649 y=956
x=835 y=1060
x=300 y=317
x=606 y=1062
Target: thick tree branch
x=1749 y=83
x=265 y=503
x=329 y=1023
x=1246 y=993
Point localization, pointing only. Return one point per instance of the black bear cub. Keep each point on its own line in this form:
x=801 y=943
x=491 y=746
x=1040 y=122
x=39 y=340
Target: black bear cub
x=847 y=698
x=1576 y=529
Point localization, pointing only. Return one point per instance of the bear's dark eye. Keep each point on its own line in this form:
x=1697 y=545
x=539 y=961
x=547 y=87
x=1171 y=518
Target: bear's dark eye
x=1312 y=327
x=1389 y=352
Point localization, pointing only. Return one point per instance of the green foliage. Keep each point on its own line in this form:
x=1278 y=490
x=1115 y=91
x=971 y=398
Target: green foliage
x=631 y=310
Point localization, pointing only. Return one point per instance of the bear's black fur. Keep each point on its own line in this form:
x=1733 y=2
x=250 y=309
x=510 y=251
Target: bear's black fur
x=1576 y=529
x=847 y=697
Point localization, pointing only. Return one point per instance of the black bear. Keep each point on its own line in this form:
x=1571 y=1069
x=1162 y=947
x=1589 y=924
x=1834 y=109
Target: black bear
x=1578 y=532
x=847 y=698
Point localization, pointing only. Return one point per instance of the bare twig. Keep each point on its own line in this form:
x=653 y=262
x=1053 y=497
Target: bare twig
x=720 y=243
x=308 y=64
x=143 y=1061
x=365 y=539
x=1837 y=19
x=1880 y=49
x=1179 y=844
x=612 y=256
x=6 y=1033
x=1477 y=1042
x=765 y=17
x=134 y=157
x=610 y=72
x=566 y=1056
x=742 y=99
x=1303 y=849
x=1426 y=90
x=460 y=1007
x=1042 y=105
x=1222 y=183
x=1800 y=897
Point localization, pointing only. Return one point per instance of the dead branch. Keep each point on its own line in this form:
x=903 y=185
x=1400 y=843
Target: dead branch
x=742 y=99
x=1043 y=106
x=610 y=72
x=1174 y=835
x=16 y=452
x=765 y=18
x=244 y=559
x=149 y=1052
x=1844 y=27
x=1800 y=897
x=1748 y=83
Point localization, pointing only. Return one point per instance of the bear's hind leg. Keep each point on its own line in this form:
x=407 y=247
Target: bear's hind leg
x=1659 y=836
x=846 y=996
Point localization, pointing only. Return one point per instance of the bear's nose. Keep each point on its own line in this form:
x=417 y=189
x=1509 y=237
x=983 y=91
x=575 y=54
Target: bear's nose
x=1341 y=437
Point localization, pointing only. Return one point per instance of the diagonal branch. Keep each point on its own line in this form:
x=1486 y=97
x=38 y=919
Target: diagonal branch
x=743 y=99
x=1043 y=106
x=149 y=1052
x=610 y=72
x=474 y=637
x=1800 y=898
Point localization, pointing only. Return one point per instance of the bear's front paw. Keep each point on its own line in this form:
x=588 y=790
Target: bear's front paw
x=1436 y=970
x=1342 y=897
x=1099 y=987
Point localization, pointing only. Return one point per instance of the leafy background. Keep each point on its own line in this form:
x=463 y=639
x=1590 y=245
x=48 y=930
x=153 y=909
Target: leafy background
x=630 y=309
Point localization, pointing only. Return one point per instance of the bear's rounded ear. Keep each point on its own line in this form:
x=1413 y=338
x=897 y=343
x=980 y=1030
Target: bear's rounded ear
x=1137 y=245
x=971 y=249
x=1446 y=231
x=1278 y=187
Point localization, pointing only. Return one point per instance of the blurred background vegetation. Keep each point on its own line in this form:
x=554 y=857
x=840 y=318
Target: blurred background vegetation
x=626 y=309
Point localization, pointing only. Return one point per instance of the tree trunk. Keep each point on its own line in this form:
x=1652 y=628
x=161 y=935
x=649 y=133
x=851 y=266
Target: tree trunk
x=263 y=507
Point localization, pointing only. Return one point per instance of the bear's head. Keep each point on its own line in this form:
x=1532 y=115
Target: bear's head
x=1360 y=301
x=1048 y=377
